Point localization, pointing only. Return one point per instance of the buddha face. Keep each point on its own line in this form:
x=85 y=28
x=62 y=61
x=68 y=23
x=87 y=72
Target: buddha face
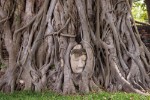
x=78 y=59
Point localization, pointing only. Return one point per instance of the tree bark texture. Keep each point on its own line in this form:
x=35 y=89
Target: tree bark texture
x=39 y=35
x=148 y=9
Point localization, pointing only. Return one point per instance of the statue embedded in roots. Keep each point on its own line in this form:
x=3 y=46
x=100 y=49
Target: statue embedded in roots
x=77 y=59
x=72 y=46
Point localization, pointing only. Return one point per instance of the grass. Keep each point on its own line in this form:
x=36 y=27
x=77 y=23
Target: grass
x=28 y=95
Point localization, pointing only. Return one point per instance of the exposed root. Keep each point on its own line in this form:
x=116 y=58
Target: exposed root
x=40 y=37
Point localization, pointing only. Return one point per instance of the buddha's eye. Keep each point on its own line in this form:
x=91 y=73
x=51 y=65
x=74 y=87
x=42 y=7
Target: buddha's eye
x=76 y=59
x=83 y=57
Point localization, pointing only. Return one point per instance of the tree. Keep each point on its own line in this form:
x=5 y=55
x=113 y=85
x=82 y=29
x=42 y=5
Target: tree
x=148 y=9
x=139 y=11
x=45 y=39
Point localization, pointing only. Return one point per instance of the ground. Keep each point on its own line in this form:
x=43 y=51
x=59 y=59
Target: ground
x=26 y=95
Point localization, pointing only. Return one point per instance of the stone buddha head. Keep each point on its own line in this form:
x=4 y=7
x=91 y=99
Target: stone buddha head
x=78 y=59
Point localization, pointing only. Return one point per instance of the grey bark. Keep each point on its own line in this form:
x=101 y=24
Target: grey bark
x=39 y=36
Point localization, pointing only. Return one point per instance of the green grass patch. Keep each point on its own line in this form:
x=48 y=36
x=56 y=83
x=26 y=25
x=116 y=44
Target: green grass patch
x=28 y=95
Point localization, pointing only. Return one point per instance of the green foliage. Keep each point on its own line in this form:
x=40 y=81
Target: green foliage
x=28 y=95
x=139 y=11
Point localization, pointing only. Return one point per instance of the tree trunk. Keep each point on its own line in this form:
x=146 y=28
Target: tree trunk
x=72 y=46
x=148 y=9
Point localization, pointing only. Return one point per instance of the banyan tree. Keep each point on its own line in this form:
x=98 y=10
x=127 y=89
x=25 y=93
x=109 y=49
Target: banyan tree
x=71 y=46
